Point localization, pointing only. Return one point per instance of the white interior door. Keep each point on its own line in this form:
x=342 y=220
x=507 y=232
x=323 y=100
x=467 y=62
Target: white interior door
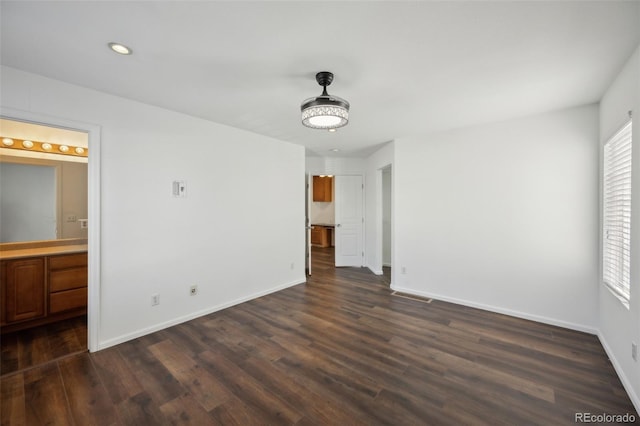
x=349 y=221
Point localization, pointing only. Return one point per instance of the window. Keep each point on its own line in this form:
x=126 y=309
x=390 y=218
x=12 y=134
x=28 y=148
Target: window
x=616 y=251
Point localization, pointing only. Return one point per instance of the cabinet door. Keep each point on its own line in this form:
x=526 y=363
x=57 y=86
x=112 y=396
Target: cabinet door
x=322 y=186
x=24 y=289
x=316 y=235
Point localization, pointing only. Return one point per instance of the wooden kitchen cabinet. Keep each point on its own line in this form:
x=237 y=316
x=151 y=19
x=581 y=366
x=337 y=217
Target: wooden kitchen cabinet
x=23 y=289
x=320 y=236
x=322 y=188
x=316 y=235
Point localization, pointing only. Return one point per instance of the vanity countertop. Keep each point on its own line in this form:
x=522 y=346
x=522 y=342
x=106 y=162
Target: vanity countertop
x=15 y=251
x=42 y=251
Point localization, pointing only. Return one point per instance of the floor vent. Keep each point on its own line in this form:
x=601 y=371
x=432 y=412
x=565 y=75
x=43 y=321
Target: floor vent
x=412 y=297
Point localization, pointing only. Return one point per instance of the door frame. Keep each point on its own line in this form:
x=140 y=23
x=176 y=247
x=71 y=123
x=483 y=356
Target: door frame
x=93 y=198
x=308 y=182
x=326 y=171
x=380 y=217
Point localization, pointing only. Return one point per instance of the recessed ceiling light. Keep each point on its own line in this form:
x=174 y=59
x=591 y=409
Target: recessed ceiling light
x=46 y=146
x=7 y=141
x=120 y=48
x=63 y=148
x=27 y=144
x=332 y=130
x=334 y=150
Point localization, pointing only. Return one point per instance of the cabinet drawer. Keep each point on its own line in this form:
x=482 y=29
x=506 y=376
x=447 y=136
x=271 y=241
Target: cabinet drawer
x=67 y=279
x=66 y=300
x=67 y=261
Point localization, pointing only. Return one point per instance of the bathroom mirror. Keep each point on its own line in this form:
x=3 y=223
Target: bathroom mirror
x=43 y=195
x=42 y=199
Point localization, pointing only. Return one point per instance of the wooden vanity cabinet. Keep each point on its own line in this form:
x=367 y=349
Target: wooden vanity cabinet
x=67 y=282
x=42 y=289
x=322 y=188
x=23 y=289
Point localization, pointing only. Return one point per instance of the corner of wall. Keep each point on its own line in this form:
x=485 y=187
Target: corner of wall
x=620 y=371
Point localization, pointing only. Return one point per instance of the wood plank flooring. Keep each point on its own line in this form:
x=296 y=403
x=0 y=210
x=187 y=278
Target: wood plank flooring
x=338 y=350
x=25 y=349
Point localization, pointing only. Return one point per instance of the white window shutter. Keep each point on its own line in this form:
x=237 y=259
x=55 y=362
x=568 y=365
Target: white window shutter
x=617 y=214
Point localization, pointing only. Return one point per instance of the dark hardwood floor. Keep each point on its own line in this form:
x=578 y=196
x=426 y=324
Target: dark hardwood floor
x=386 y=275
x=25 y=349
x=337 y=350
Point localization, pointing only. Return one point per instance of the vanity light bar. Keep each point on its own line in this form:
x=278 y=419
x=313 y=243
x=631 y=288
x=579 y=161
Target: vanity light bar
x=51 y=148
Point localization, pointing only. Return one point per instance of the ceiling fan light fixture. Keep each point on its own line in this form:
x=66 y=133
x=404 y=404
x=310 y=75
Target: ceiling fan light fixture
x=325 y=111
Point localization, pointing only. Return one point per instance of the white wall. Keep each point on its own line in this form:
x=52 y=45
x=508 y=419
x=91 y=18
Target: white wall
x=618 y=325
x=220 y=237
x=503 y=216
x=373 y=205
x=335 y=165
x=323 y=212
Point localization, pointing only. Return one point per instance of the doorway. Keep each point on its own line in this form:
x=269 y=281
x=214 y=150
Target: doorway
x=43 y=206
x=335 y=220
x=92 y=133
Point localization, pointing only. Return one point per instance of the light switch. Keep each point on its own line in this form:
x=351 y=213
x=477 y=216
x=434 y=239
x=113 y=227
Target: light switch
x=179 y=189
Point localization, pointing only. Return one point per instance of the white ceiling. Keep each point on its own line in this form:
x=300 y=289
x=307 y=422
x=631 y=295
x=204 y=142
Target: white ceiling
x=407 y=68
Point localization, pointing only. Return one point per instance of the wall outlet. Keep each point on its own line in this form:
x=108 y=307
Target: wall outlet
x=155 y=299
x=72 y=218
x=193 y=290
x=293 y=265
x=634 y=351
x=404 y=270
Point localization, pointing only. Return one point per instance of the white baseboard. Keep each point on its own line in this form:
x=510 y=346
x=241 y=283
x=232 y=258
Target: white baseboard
x=499 y=310
x=375 y=271
x=157 y=327
x=623 y=378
